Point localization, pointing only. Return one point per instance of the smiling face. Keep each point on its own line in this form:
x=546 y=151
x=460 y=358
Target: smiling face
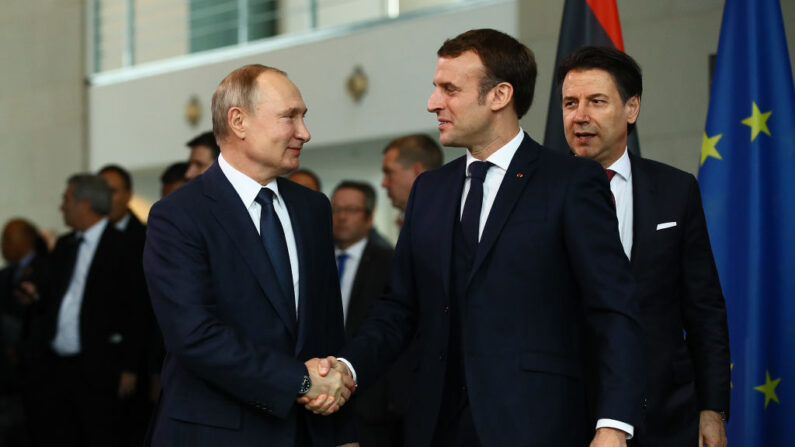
x=594 y=116
x=463 y=113
x=274 y=131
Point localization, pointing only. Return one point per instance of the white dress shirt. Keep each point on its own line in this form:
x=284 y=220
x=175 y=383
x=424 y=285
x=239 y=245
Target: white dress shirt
x=248 y=188
x=501 y=159
x=122 y=223
x=67 y=335
x=354 y=253
x=621 y=186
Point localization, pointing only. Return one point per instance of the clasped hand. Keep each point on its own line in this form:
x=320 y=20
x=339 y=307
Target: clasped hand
x=332 y=385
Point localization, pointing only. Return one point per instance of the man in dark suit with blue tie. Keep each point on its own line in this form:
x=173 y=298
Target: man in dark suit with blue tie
x=664 y=234
x=241 y=271
x=507 y=259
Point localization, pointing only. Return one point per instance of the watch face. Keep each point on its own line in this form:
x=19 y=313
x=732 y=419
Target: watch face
x=306 y=385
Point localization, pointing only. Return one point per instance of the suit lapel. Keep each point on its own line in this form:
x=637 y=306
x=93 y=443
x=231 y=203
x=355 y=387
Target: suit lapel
x=519 y=172
x=301 y=224
x=230 y=213
x=643 y=196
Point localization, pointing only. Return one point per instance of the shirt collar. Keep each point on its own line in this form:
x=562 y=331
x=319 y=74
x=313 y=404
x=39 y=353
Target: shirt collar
x=246 y=187
x=622 y=166
x=354 y=251
x=122 y=223
x=94 y=232
x=501 y=158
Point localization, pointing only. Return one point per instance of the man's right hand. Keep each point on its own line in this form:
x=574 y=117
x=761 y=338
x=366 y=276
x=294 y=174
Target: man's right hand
x=332 y=386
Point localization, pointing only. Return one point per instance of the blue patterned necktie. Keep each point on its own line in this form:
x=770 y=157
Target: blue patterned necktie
x=470 y=218
x=272 y=234
x=341 y=258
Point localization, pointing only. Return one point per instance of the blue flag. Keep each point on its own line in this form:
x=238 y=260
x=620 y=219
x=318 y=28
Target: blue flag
x=747 y=179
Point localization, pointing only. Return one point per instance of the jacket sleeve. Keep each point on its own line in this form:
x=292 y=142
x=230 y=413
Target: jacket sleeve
x=609 y=299
x=178 y=277
x=704 y=309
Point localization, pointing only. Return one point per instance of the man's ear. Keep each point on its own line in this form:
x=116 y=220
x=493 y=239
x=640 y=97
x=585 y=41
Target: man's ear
x=632 y=109
x=417 y=168
x=501 y=96
x=236 y=120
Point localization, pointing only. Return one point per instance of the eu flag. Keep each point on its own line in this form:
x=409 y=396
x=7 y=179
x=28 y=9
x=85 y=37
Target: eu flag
x=747 y=179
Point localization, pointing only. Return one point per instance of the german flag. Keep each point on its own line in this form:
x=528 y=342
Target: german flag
x=585 y=22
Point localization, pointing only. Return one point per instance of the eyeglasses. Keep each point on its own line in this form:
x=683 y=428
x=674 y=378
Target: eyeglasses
x=347 y=209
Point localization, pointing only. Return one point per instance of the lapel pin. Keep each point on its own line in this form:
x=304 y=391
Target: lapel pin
x=519 y=175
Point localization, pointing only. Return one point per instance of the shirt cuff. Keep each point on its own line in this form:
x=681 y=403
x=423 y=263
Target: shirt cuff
x=612 y=423
x=353 y=371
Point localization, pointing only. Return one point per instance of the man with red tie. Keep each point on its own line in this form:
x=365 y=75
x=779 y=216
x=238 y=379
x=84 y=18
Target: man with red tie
x=664 y=234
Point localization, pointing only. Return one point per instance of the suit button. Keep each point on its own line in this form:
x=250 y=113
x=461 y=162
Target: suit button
x=446 y=309
x=442 y=355
x=645 y=403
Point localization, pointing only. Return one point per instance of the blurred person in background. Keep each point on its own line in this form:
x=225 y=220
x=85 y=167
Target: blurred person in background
x=135 y=411
x=25 y=253
x=203 y=152
x=307 y=178
x=404 y=159
x=173 y=177
x=91 y=336
x=363 y=269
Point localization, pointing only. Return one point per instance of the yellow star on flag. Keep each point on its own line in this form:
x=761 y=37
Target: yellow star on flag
x=769 y=389
x=757 y=121
x=708 y=147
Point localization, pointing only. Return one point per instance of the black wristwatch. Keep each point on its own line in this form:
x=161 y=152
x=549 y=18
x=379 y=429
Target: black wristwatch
x=306 y=385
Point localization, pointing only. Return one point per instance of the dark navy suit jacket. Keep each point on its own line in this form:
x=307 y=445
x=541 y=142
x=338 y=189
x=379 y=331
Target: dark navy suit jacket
x=548 y=272
x=678 y=293
x=235 y=351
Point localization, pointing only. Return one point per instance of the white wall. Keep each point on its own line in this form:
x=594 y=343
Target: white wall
x=137 y=118
x=42 y=108
x=139 y=123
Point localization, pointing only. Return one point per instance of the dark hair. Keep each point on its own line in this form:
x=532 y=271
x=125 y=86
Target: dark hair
x=94 y=189
x=31 y=233
x=123 y=173
x=174 y=173
x=505 y=59
x=626 y=73
x=364 y=188
x=206 y=139
x=310 y=174
x=417 y=148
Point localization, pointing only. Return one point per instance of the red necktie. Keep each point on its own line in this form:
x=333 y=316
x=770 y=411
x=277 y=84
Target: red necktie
x=610 y=174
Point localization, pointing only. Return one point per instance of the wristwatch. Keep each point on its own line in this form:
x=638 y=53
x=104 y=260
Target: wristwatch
x=306 y=385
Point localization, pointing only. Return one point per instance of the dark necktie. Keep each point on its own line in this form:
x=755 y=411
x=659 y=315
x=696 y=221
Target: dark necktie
x=272 y=234
x=610 y=174
x=341 y=264
x=470 y=218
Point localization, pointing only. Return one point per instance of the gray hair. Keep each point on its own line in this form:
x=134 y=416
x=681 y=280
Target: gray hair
x=94 y=189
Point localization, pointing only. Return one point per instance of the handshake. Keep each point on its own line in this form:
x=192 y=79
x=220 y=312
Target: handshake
x=332 y=386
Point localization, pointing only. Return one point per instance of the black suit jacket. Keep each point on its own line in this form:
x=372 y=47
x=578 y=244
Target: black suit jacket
x=109 y=338
x=681 y=303
x=549 y=266
x=235 y=352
